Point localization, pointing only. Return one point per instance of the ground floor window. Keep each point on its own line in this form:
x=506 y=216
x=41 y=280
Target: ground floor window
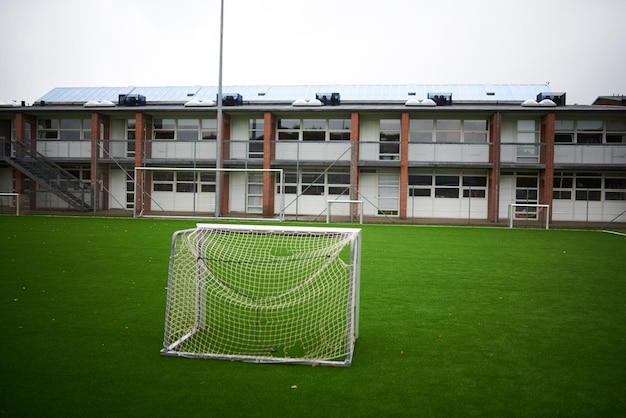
x=318 y=182
x=183 y=181
x=589 y=186
x=447 y=185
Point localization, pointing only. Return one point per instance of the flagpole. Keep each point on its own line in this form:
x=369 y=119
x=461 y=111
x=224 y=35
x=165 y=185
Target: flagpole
x=218 y=148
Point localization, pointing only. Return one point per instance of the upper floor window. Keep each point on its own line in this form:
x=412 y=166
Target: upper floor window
x=314 y=129
x=590 y=131
x=389 y=136
x=64 y=129
x=184 y=129
x=448 y=130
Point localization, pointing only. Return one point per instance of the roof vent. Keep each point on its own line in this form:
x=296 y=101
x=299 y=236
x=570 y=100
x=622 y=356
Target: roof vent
x=131 y=100
x=200 y=103
x=557 y=98
x=330 y=99
x=232 y=99
x=425 y=102
x=98 y=103
x=441 y=99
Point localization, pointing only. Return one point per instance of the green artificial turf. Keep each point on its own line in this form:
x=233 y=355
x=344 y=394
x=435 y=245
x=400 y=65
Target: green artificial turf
x=454 y=322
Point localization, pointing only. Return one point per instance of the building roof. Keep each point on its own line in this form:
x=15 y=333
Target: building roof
x=489 y=93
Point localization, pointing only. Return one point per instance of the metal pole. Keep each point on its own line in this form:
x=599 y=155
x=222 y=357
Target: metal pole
x=218 y=147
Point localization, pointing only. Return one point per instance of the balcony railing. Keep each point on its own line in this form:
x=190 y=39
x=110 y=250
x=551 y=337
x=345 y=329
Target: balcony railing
x=609 y=154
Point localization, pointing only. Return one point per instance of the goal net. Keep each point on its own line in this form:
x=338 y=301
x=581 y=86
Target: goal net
x=264 y=294
x=529 y=215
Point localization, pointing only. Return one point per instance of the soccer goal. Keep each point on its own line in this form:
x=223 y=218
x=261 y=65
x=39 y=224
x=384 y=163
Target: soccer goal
x=10 y=201
x=529 y=215
x=193 y=192
x=348 y=212
x=264 y=294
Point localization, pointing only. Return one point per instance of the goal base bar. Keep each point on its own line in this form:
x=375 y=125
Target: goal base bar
x=259 y=360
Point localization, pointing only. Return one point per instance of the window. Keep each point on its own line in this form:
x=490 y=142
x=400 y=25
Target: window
x=314 y=129
x=389 y=136
x=183 y=181
x=562 y=188
x=564 y=131
x=420 y=185
x=589 y=132
x=209 y=128
x=388 y=193
x=448 y=130
x=527 y=133
x=616 y=132
x=615 y=188
x=588 y=187
x=526 y=189
x=64 y=129
x=339 y=129
x=184 y=129
x=256 y=132
x=317 y=182
x=130 y=136
x=165 y=129
x=447 y=185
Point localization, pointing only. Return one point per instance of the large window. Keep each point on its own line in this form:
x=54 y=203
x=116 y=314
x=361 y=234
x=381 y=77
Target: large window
x=313 y=129
x=184 y=129
x=589 y=186
x=64 y=129
x=256 y=134
x=590 y=132
x=448 y=130
x=183 y=181
x=317 y=182
x=447 y=185
x=528 y=140
x=389 y=148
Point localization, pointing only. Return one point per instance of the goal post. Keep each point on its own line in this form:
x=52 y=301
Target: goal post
x=191 y=192
x=11 y=200
x=528 y=214
x=350 y=204
x=264 y=294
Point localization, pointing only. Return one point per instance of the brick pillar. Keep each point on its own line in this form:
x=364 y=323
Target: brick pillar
x=404 y=163
x=225 y=179
x=269 y=152
x=97 y=170
x=354 y=161
x=546 y=181
x=494 y=174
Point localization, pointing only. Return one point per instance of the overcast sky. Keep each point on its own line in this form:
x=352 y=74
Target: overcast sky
x=579 y=46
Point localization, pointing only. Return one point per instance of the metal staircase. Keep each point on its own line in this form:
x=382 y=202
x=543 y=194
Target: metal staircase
x=48 y=175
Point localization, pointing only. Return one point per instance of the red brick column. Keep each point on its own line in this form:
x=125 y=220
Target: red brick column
x=26 y=136
x=225 y=180
x=99 y=129
x=404 y=163
x=140 y=134
x=269 y=152
x=546 y=181
x=494 y=174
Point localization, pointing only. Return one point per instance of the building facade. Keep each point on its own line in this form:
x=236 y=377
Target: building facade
x=414 y=153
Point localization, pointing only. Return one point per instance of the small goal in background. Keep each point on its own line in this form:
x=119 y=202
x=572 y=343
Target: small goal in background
x=529 y=215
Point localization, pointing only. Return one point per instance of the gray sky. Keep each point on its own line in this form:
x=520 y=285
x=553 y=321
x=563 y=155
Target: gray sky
x=579 y=46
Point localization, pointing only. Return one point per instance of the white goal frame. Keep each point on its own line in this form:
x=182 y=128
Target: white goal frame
x=139 y=212
x=17 y=201
x=359 y=204
x=513 y=212
x=215 y=309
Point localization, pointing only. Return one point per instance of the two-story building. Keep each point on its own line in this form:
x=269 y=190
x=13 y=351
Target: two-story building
x=409 y=152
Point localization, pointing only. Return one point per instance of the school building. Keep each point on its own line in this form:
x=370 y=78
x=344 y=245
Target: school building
x=406 y=153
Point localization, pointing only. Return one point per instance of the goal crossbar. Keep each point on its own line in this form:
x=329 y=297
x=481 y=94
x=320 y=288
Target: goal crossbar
x=264 y=294
x=514 y=212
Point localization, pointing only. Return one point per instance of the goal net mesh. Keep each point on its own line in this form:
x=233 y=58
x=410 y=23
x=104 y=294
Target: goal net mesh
x=263 y=295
